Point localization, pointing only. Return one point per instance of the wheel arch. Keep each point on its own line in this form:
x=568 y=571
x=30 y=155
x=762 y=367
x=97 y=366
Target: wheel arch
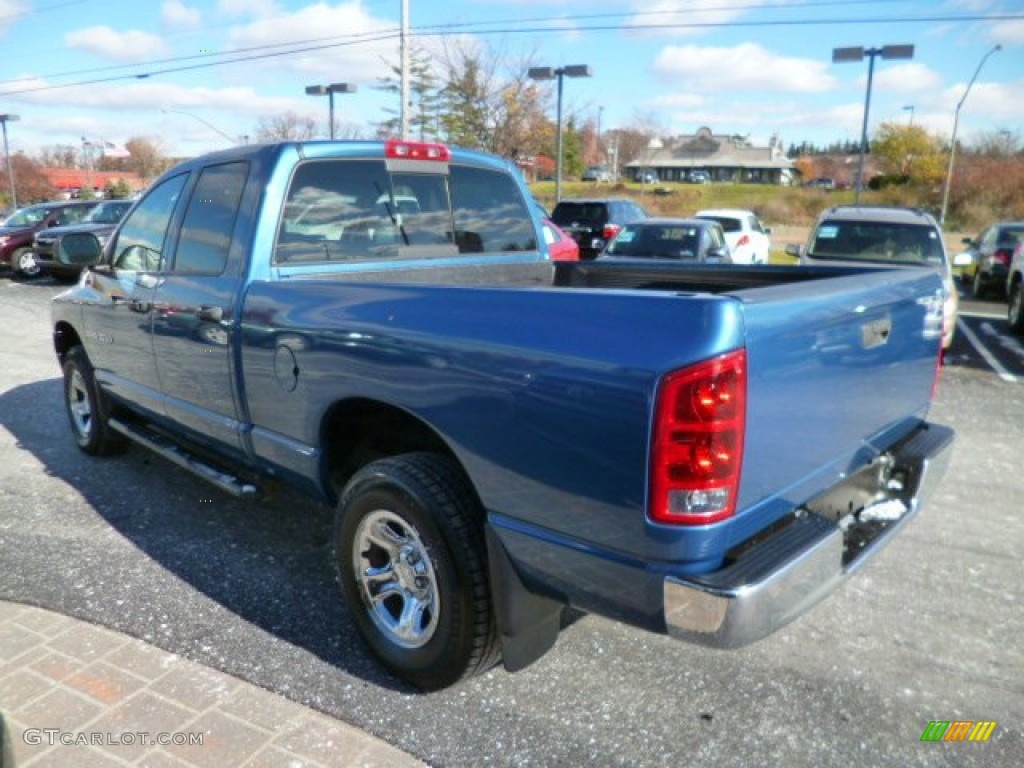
x=357 y=431
x=65 y=338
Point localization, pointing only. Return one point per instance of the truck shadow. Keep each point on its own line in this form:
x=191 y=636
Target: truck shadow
x=268 y=561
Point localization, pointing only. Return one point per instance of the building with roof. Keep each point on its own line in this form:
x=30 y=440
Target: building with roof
x=725 y=158
x=69 y=182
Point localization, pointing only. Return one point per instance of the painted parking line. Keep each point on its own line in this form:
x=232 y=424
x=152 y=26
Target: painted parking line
x=989 y=358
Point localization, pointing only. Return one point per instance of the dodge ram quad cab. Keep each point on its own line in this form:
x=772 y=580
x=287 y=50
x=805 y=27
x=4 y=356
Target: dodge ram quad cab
x=704 y=451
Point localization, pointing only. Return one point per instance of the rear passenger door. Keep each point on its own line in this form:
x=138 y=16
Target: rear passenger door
x=194 y=307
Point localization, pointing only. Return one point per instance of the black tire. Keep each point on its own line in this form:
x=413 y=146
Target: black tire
x=87 y=409
x=19 y=263
x=1015 y=308
x=415 y=521
x=978 y=286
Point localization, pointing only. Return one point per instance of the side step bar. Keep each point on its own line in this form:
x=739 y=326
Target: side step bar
x=173 y=452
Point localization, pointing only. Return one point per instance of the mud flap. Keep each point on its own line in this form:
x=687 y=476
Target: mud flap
x=528 y=623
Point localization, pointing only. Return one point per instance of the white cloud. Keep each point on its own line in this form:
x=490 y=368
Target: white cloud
x=911 y=77
x=1008 y=33
x=349 y=44
x=174 y=14
x=10 y=13
x=253 y=8
x=747 y=66
x=130 y=45
x=659 y=17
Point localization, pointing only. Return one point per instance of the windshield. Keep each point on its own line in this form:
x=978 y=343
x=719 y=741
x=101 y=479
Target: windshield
x=580 y=213
x=672 y=241
x=873 y=241
x=26 y=217
x=108 y=213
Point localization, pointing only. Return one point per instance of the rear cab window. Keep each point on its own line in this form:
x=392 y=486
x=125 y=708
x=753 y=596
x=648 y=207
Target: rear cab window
x=360 y=210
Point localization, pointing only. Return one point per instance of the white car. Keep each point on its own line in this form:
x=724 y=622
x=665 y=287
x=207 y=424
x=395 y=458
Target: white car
x=747 y=236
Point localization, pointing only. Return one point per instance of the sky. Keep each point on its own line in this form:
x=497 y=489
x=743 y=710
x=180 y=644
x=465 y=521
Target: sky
x=199 y=75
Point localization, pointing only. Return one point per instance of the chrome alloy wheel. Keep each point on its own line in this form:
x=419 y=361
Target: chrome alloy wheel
x=79 y=405
x=396 y=579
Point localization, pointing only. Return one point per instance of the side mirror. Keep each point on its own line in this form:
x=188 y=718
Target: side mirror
x=792 y=249
x=80 y=249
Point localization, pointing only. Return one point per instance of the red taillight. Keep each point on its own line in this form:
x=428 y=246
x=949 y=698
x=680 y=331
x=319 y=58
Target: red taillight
x=417 y=150
x=1003 y=256
x=744 y=240
x=610 y=231
x=697 y=445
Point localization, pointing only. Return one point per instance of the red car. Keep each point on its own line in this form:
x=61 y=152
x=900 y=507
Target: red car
x=561 y=247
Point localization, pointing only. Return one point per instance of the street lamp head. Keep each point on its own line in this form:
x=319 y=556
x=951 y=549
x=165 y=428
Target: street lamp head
x=855 y=53
x=577 y=70
x=340 y=88
x=9 y=118
x=316 y=90
x=541 y=73
x=897 y=51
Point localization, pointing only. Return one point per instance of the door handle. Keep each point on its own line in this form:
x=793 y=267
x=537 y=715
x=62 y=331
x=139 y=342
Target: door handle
x=211 y=314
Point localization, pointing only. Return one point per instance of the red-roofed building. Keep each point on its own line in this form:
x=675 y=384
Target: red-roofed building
x=69 y=181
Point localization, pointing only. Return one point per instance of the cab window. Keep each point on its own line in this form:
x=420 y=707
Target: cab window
x=140 y=244
x=210 y=219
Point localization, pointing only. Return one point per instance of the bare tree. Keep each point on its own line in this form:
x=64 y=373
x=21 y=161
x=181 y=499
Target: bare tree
x=288 y=126
x=147 y=157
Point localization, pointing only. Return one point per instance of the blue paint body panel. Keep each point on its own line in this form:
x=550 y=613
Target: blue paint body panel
x=543 y=392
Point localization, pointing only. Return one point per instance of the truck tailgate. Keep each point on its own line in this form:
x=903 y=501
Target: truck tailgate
x=855 y=357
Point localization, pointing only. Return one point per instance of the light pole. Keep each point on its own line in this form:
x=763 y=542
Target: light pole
x=208 y=124
x=4 y=120
x=330 y=90
x=548 y=73
x=952 y=141
x=600 y=153
x=910 y=108
x=858 y=54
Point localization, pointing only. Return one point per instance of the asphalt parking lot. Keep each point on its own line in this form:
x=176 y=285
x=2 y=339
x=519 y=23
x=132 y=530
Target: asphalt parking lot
x=930 y=630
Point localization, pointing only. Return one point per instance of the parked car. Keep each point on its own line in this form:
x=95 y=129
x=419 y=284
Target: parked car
x=1015 y=290
x=48 y=249
x=990 y=254
x=597 y=173
x=697 y=240
x=647 y=177
x=748 y=238
x=592 y=222
x=561 y=247
x=884 y=236
x=822 y=182
x=19 y=229
x=698 y=177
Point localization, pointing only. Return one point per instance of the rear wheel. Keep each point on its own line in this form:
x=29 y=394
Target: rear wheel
x=978 y=287
x=1015 y=308
x=412 y=565
x=87 y=410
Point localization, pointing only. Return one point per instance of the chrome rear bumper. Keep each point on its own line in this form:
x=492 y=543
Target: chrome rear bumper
x=782 y=574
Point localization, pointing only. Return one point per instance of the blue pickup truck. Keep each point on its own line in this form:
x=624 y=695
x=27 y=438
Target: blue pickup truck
x=699 y=451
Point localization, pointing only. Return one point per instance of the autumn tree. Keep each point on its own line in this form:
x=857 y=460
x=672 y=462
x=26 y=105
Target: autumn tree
x=146 y=157
x=909 y=152
x=30 y=182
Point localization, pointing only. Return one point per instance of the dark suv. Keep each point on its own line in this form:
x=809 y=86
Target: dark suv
x=593 y=222
x=20 y=227
x=990 y=254
x=62 y=264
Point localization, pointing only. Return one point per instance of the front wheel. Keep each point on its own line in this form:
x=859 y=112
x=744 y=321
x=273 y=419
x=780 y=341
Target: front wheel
x=1015 y=308
x=86 y=408
x=24 y=263
x=412 y=565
